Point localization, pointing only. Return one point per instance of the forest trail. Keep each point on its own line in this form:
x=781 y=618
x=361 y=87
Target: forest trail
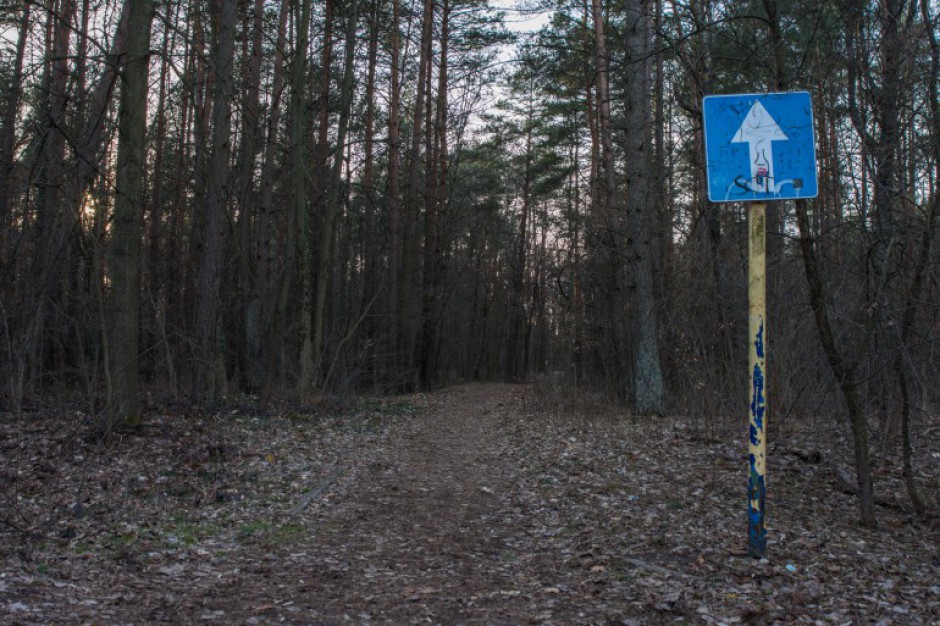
x=427 y=532
x=437 y=527
x=477 y=504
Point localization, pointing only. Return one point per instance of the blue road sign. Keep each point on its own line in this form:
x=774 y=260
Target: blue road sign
x=760 y=147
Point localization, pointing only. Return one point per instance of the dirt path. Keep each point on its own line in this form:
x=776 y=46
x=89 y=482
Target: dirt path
x=479 y=504
x=427 y=530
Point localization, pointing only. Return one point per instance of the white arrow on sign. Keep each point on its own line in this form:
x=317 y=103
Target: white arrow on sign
x=758 y=130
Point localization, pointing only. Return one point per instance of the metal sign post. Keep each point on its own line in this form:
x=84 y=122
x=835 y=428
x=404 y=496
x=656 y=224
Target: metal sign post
x=757 y=351
x=758 y=148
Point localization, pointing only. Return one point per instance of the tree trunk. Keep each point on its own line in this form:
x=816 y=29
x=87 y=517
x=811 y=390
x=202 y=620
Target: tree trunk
x=608 y=175
x=886 y=145
x=50 y=214
x=259 y=310
x=202 y=110
x=8 y=131
x=601 y=258
x=321 y=146
x=608 y=210
x=124 y=252
x=301 y=205
x=176 y=273
x=433 y=248
x=155 y=231
x=516 y=360
x=919 y=281
x=661 y=238
x=333 y=192
x=245 y=179
x=842 y=368
x=370 y=250
x=844 y=372
x=52 y=219
x=409 y=265
x=393 y=315
x=210 y=367
x=647 y=368
x=7 y=143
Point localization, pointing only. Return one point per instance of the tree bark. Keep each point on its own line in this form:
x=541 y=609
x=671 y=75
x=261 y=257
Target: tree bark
x=156 y=234
x=647 y=368
x=409 y=265
x=248 y=150
x=261 y=315
x=301 y=204
x=176 y=273
x=333 y=191
x=50 y=214
x=603 y=109
x=202 y=92
x=53 y=219
x=433 y=248
x=124 y=252
x=8 y=132
x=393 y=317
x=611 y=222
x=210 y=368
x=321 y=147
x=370 y=251
x=516 y=358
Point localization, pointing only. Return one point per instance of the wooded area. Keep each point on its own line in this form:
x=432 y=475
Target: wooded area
x=287 y=199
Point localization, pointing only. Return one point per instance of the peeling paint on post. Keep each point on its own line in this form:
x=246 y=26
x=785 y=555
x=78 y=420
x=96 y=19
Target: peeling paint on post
x=757 y=441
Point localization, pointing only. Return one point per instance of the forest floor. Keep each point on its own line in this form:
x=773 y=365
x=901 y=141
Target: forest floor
x=478 y=504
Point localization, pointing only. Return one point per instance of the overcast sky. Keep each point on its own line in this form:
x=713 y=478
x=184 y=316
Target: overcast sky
x=518 y=19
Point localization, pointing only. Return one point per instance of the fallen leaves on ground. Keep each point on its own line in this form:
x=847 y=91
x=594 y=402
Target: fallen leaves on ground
x=476 y=504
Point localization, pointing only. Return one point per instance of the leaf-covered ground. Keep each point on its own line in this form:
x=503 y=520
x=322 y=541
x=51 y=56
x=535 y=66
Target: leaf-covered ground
x=481 y=504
